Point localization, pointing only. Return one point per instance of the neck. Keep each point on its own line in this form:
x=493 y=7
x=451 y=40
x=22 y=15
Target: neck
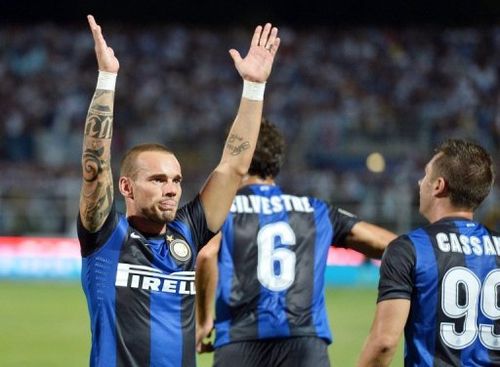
x=440 y=213
x=251 y=180
x=146 y=226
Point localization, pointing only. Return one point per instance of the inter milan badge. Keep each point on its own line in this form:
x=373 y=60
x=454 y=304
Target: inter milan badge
x=180 y=250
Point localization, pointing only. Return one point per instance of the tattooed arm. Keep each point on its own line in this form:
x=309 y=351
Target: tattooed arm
x=96 y=196
x=220 y=188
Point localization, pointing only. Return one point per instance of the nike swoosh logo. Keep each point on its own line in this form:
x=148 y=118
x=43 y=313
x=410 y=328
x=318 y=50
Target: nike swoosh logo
x=135 y=235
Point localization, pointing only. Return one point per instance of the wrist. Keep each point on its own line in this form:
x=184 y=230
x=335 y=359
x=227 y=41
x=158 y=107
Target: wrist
x=106 y=80
x=253 y=91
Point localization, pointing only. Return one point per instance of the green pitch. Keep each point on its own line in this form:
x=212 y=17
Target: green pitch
x=46 y=324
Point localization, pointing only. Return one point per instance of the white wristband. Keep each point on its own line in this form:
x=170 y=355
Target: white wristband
x=106 y=80
x=253 y=91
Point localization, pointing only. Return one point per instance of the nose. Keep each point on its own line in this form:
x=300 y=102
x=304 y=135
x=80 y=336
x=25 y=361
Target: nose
x=170 y=189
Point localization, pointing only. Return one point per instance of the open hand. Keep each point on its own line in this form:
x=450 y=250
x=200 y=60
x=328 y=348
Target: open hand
x=257 y=64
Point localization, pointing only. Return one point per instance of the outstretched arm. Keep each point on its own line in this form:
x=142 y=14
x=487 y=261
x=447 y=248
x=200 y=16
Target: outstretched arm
x=220 y=188
x=96 y=196
x=369 y=239
x=206 y=284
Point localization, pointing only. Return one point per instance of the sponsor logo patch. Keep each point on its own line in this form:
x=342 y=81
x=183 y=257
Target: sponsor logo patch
x=154 y=280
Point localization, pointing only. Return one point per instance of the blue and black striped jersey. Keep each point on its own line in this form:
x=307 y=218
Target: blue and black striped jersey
x=140 y=290
x=271 y=265
x=450 y=271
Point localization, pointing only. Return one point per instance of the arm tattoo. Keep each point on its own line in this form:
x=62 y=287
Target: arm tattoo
x=97 y=191
x=100 y=116
x=236 y=145
x=96 y=211
x=92 y=163
x=99 y=126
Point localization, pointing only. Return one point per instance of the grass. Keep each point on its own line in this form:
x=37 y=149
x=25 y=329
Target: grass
x=46 y=324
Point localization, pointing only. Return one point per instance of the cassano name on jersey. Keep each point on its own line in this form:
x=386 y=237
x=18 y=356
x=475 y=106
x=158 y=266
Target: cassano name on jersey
x=274 y=204
x=484 y=245
x=147 y=278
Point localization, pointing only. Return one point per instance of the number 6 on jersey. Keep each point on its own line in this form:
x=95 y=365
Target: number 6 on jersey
x=269 y=256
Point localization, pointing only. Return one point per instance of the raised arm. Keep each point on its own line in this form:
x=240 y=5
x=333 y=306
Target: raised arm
x=220 y=188
x=206 y=285
x=369 y=239
x=96 y=196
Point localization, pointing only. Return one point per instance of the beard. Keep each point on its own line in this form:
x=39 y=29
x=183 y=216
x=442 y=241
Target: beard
x=156 y=215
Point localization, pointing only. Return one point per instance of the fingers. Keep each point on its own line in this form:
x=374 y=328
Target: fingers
x=96 y=32
x=235 y=55
x=273 y=47
x=94 y=27
x=271 y=40
x=206 y=348
x=266 y=37
x=265 y=34
x=91 y=20
x=256 y=36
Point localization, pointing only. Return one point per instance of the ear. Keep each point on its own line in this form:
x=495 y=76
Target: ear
x=440 y=187
x=126 y=187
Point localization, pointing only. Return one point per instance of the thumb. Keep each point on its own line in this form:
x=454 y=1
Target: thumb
x=235 y=55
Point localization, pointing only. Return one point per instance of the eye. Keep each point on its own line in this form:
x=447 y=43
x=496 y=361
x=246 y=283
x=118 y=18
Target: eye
x=177 y=180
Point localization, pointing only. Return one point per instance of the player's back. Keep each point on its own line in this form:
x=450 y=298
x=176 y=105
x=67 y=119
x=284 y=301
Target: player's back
x=271 y=265
x=455 y=308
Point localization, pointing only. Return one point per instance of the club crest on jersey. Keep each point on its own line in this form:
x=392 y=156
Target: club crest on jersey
x=180 y=250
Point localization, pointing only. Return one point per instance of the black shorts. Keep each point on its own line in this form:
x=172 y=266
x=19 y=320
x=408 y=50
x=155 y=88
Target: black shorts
x=304 y=351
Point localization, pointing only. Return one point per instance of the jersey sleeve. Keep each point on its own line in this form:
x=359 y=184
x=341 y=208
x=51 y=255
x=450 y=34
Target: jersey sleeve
x=342 y=222
x=396 y=270
x=194 y=215
x=91 y=241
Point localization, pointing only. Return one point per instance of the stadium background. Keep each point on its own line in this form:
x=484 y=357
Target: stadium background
x=352 y=78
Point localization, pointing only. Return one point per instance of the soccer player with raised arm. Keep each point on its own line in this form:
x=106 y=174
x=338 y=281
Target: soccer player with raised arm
x=441 y=283
x=138 y=267
x=271 y=259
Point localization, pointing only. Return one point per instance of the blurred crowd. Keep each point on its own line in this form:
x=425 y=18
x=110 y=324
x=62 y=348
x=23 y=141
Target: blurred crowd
x=338 y=94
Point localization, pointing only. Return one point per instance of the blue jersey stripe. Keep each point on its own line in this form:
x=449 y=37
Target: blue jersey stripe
x=481 y=266
x=324 y=234
x=426 y=276
x=104 y=349
x=226 y=271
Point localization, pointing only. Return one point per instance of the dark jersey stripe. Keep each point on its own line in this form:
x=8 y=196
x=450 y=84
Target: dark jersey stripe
x=242 y=317
x=271 y=323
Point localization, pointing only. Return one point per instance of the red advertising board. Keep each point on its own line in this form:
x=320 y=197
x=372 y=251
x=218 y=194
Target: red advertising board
x=59 y=258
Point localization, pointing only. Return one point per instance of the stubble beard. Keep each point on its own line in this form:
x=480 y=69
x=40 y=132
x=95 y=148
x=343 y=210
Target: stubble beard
x=158 y=216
